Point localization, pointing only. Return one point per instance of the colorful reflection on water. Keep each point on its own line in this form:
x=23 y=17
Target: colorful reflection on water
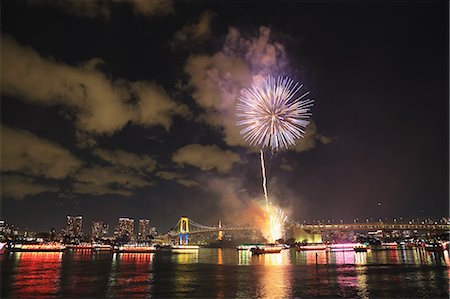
x=223 y=273
x=37 y=274
x=130 y=275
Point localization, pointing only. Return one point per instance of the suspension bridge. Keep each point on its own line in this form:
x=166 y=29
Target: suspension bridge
x=375 y=226
x=186 y=227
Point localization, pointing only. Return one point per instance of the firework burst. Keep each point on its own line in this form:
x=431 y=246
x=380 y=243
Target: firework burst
x=273 y=113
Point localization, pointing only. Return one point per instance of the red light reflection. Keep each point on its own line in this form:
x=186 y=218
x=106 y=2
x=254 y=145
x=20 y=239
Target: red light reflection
x=38 y=275
x=131 y=275
x=315 y=257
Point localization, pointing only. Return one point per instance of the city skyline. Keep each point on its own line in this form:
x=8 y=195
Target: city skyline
x=98 y=228
x=132 y=114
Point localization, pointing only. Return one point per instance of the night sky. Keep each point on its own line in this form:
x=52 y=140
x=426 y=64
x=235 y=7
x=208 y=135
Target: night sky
x=127 y=109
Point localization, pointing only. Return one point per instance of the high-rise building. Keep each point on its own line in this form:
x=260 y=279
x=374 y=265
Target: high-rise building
x=3 y=226
x=125 y=227
x=74 y=226
x=99 y=229
x=52 y=235
x=144 y=228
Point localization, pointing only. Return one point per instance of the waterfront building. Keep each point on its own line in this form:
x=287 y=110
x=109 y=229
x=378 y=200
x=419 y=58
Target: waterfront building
x=99 y=230
x=301 y=235
x=153 y=231
x=53 y=235
x=74 y=226
x=144 y=229
x=125 y=228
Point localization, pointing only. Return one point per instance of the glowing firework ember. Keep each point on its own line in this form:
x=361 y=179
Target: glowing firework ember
x=276 y=219
x=273 y=114
x=270 y=220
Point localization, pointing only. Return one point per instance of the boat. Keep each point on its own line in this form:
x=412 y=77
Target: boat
x=38 y=247
x=2 y=247
x=389 y=246
x=434 y=247
x=137 y=248
x=385 y=246
x=410 y=245
x=185 y=248
x=360 y=248
x=81 y=246
x=102 y=247
x=311 y=247
x=247 y=247
x=341 y=247
x=265 y=249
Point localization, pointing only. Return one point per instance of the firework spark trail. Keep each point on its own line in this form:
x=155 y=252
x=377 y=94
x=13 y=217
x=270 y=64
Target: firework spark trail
x=264 y=182
x=276 y=220
x=273 y=117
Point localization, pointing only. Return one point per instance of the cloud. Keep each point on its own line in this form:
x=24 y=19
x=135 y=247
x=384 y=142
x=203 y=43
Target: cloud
x=194 y=33
x=124 y=160
x=155 y=107
x=310 y=140
x=150 y=7
x=187 y=182
x=286 y=166
x=178 y=177
x=98 y=104
x=326 y=139
x=102 y=9
x=24 y=152
x=99 y=180
x=95 y=189
x=88 y=9
x=110 y=175
x=262 y=56
x=169 y=175
x=206 y=157
x=217 y=80
x=18 y=186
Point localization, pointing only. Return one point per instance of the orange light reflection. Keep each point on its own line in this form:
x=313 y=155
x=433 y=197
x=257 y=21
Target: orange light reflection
x=276 y=277
x=220 y=279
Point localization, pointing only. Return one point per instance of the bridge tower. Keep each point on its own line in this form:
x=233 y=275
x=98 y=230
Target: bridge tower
x=184 y=230
x=184 y=225
x=220 y=233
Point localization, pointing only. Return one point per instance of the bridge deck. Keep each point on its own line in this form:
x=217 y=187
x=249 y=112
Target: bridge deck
x=375 y=226
x=322 y=227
